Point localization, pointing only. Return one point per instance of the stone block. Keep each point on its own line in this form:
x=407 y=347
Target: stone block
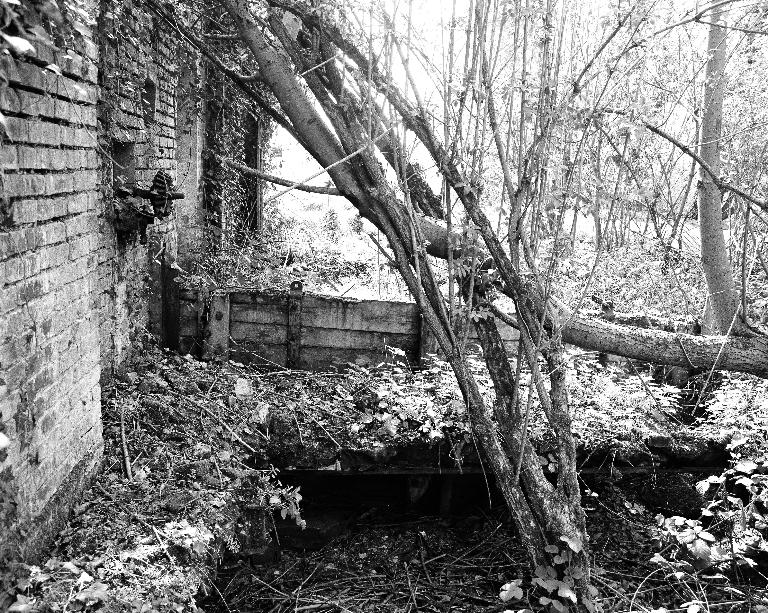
x=13 y=270
x=13 y=243
x=52 y=233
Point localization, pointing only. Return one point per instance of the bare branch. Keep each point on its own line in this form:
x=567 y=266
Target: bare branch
x=704 y=166
x=695 y=18
x=253 y=172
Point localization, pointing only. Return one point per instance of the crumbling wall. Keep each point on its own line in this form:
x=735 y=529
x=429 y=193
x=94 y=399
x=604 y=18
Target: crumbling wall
x=190 y=215
x=137 y=128
x=236 y=129
x=75 y=295
x=50 y=294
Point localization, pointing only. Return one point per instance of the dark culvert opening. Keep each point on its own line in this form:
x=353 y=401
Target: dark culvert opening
x=334 y=503
x=381 y=529
x=379 y=541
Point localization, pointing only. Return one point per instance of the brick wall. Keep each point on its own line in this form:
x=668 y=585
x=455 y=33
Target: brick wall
x=49 y=238
x=135 y=49
x=74 y=296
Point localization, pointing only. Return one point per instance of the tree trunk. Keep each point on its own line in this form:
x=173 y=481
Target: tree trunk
x=330 y=122
x=549 y=518
x=722 y=299
x=739 y=354
x=748 y=354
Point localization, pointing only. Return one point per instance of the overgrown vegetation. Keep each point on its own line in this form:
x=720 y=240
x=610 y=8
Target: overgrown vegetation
x=201 y=440
x=582 y=158
x=178 y=490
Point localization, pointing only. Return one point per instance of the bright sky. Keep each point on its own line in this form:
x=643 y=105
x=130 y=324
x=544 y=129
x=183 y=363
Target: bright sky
x=429 y=17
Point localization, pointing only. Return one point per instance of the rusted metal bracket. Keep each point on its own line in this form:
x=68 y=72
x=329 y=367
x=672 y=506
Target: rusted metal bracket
x=295 y=295
x=131 y=213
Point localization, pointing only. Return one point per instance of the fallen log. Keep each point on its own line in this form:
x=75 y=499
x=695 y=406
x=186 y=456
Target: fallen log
x=738 y=354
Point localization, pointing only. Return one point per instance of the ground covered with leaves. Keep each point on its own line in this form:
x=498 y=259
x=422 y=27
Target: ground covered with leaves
x=406 y=563
x=177 y=491
x=391 y=416
x=188 y=480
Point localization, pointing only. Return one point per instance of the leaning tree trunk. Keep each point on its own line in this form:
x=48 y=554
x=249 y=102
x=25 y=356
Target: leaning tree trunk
x=722 y=299
x=747 y=354
x=307 y=83
x=548 y=516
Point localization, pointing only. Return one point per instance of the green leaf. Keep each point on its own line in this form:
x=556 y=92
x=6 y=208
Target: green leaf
x=96 y=592
x=658 y=559
x=545 y=572
x=22 y=604
x=564 y=591
x=700 y=550
x=747 y=467
x=558 y=606
x=575 y=544
x=550 y=585
x=511 y=591
x=707 y=536
x=737 y=441
x=562 y=558
x=702 y=487
x=577 y=573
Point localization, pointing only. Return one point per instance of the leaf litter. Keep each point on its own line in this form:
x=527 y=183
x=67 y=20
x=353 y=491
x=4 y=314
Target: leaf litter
x=202 y=440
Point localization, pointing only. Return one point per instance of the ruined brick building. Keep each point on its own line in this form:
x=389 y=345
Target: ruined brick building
x=77 y=290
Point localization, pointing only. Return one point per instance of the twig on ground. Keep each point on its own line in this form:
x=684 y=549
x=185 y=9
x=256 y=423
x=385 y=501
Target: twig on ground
x=218 y=471
x=298 y=429
x=163 y=546
x=324 y=429
x=124 y=443
x=106 y=494
x=424 y=566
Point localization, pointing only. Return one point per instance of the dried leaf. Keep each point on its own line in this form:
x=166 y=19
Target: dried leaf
x=96 y=592
x=511 y=591
x=575 y=544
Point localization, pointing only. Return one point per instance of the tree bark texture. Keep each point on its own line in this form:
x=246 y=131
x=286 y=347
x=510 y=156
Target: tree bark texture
x=722 y=300
x=544 y=513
